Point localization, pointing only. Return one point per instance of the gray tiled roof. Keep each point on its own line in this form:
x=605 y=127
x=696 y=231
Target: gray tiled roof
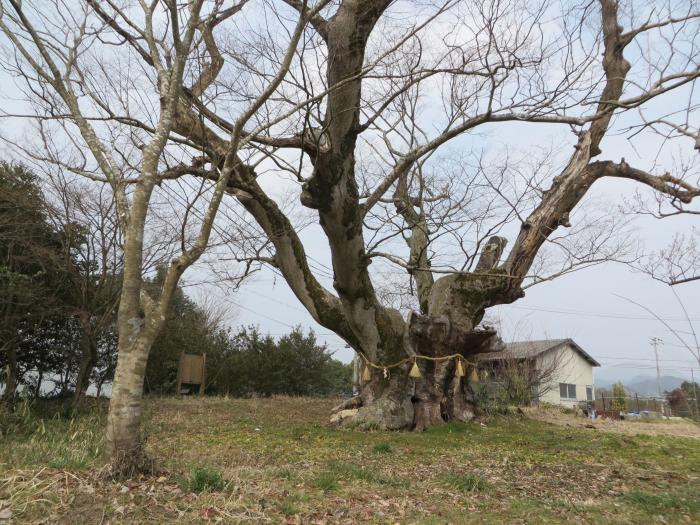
x=528 y=349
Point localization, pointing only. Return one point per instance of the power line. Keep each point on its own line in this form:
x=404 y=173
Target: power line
x=328 y=268
x=649 y=367
x=260 y=314
x=645 y=359
x=258 y=294
x=276 y=320
x=601 y=314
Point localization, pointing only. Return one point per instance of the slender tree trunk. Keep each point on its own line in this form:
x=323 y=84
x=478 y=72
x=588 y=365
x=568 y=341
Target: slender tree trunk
x=39 y=380
x=124 y=445
x=99 y=385
x=88 y=358
x=65 y=382
x=11 y=379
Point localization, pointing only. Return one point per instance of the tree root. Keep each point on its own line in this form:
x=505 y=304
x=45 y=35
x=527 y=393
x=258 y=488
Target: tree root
x=129 y=463
x=353 y=402
x=405 y=413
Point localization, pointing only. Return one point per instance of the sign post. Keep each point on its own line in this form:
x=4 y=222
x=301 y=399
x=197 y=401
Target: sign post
x=192 y=370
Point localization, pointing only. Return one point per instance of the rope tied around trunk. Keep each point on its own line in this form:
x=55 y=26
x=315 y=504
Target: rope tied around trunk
x=415 y=371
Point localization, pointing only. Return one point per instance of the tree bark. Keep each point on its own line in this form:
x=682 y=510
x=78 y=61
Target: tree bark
x=124 y=445
x=11 y=379
x=456 y=305
x=88 y=358
x=392 y=400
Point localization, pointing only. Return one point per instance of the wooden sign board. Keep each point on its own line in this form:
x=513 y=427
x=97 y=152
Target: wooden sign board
x=192 y=370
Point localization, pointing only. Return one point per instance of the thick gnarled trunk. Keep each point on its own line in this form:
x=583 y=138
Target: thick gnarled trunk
x=401 y=402
x=394 y=400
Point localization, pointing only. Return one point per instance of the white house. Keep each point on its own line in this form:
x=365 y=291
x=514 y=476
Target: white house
x=564 y=369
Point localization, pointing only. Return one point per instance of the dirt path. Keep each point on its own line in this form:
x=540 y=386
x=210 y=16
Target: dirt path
x=652 y=428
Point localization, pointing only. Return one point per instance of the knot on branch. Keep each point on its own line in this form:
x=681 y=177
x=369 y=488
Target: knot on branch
x=316 y=192
x=199 y=161
x=564 y=220
x=307 y=198
x=318 y=139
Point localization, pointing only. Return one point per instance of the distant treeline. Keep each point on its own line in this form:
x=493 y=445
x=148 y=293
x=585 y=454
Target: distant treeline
x=60 y=278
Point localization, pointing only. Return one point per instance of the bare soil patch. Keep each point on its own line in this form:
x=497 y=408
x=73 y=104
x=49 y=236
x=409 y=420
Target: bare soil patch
x=661 y=427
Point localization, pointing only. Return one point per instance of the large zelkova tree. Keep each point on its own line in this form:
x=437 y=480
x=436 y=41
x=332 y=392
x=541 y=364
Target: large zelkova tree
x=111 y=86
x=380 y=122
x=384 y=118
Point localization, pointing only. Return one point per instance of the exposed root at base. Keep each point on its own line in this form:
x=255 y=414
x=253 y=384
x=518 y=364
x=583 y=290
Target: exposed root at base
x=128 y=464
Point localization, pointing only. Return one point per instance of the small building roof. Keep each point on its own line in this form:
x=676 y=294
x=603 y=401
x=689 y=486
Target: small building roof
x=530 y=349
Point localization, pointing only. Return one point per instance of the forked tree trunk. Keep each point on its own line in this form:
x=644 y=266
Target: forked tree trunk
x=453 y=308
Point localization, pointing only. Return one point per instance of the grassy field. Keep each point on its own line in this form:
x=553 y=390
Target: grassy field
x=278 y=461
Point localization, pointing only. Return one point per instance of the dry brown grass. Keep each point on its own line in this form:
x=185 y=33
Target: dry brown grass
x=281 y=462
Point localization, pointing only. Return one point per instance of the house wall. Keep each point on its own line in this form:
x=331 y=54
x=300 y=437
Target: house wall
x=571 y=368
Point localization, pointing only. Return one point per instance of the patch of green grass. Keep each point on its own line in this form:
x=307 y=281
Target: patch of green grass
x=327 y=482
x=302 y=468
x=382 y=448
x=466 y=482
x=350 y=472
x=452 y=427
x=661 y=502
x=284 y=473
x=206 y=479
x=69 y=462
x=288 y=508
x=68 y=439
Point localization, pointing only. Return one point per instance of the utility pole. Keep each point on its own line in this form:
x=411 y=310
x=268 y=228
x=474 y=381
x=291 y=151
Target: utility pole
x=695 y=392
x=655 y=341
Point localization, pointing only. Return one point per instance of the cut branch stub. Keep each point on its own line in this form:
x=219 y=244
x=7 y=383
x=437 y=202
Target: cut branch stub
x=491 y=254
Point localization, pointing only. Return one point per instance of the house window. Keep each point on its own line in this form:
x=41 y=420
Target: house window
x=589 y=392
x=567 y=391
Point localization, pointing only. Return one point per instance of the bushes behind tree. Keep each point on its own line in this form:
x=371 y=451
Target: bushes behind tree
x=295 y=364
x=245 y=363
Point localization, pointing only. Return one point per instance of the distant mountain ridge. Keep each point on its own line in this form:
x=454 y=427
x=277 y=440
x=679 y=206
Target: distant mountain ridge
x=645 y=385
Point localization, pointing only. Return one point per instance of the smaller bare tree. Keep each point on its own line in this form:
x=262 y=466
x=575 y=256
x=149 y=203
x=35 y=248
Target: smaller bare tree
x=93 y=261
x=128 y=126
x=522 y=381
